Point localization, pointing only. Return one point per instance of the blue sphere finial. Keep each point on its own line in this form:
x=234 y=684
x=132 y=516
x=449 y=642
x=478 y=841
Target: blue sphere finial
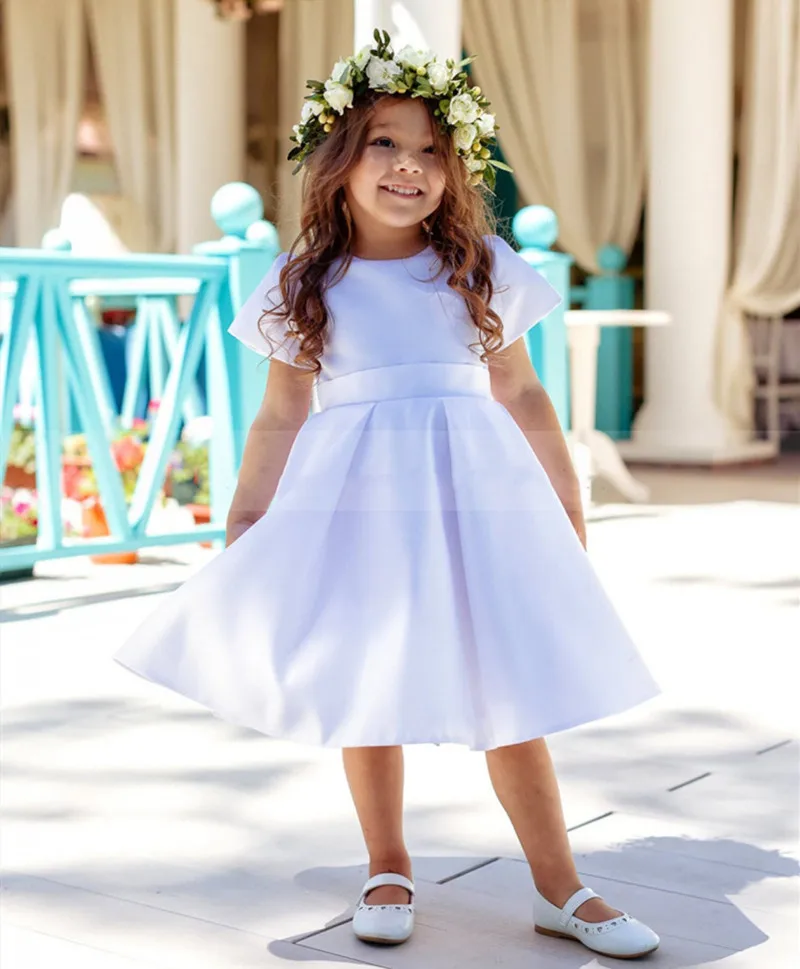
x=611 y=259
x=235 y=207
x=55 y=241
x=265 y=235
x=535 y=227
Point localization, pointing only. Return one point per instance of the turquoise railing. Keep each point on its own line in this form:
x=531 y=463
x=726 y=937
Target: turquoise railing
x=611 y=290
x=535 y=229
x=49 y=290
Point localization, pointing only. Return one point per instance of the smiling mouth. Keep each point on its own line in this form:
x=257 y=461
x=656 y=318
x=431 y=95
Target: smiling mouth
x=402 y=191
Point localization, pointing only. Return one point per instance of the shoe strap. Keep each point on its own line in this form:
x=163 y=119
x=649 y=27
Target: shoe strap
x=388 y=878
x=574 y=903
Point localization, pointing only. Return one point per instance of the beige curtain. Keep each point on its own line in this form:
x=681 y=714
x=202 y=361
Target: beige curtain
x=314 y=34
x=566 y=78
x=766 y=252
x=45 y=106
x=134 y=51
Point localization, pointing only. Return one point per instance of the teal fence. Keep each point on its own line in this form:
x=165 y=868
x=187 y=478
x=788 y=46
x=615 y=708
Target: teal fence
x=535 y=229
x=611 y=290
x=50 y=323
x=51 y=358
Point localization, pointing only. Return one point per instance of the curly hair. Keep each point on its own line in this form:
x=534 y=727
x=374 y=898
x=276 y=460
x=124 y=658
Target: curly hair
x=456 y=233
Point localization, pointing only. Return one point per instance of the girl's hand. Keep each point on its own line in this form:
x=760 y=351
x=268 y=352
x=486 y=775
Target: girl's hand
x=282 y=413
x=516 y=386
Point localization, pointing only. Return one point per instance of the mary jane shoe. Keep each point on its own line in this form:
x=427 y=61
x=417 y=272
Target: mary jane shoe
x=621 y=937
x=384 y=924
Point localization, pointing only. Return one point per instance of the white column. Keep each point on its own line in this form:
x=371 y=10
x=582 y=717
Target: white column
x=209 y=115
x=688 y=231
x=425 y=24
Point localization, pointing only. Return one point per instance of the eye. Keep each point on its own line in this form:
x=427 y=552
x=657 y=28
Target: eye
x=383 y=142
x=430 y=150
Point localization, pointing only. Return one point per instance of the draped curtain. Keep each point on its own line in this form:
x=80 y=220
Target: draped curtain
x=766 y=251
x=45 y=105
x=314 y=34
x=566 y=78
x=133 y=46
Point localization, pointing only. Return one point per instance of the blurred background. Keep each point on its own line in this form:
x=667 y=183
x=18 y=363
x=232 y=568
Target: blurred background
x=655 y=148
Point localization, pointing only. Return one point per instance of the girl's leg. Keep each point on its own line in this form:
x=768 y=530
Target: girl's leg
x=375 y=776
x=524 y=780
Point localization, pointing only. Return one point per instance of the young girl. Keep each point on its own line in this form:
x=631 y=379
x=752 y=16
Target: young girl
x=407 y=564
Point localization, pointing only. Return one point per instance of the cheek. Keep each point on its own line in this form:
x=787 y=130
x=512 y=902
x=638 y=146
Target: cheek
x=436 y=183
x=364 y=177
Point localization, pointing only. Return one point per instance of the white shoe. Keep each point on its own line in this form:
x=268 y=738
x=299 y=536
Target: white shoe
x=384 y=924
x=621 y=937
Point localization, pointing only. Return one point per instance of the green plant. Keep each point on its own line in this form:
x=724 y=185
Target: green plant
x=128 y=449
x=189 y=463
x=22 y=448
x=19 y=514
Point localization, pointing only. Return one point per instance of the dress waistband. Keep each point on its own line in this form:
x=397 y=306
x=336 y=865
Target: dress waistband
x=405 y=380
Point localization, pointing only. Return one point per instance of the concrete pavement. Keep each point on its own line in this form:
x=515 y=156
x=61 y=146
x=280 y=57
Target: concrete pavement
x=139 y=831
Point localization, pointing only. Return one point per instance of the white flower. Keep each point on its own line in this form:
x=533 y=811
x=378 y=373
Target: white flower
x=465 y=136
x=341 y=72
x=439 y=76
x=296 y=130
x=485 y=125
x=383 y=75
x=463 y=110
x=474 y=164
x=198 y=430
x=311 y=109
x=408 y=57
x=338 y=96
x=361 y=59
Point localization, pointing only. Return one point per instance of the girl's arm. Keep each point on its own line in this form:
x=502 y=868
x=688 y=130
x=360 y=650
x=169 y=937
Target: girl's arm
x=282 y=413
x=516 y=386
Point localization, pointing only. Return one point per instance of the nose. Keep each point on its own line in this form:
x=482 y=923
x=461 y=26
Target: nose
x=408 y=162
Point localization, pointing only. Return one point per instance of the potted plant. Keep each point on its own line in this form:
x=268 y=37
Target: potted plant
x=188 y=474
x=80 y=484
x=21 y=463
x=19 y=516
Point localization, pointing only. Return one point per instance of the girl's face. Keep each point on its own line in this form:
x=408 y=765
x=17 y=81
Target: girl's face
x=398 y=181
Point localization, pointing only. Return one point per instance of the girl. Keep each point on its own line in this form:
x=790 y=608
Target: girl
x=407 y=564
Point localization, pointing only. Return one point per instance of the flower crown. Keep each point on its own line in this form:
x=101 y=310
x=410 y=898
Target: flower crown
x=462 y=110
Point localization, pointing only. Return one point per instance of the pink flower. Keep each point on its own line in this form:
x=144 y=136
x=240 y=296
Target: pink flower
x=23 y=501
x=23 y=414
x=128 y=453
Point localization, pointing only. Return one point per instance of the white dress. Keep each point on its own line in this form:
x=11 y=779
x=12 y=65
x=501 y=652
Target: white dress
x=415 y=579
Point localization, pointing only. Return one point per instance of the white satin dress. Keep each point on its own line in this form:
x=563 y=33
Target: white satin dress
x=415 y=579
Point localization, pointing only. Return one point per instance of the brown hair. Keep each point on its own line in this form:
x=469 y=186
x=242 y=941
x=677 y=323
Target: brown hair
x=456 y=233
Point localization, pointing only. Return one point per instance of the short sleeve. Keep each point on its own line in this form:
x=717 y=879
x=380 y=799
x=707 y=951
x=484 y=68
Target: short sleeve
x=281 y=343
x=522 y=295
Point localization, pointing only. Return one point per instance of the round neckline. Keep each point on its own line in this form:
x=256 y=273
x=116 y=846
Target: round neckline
x=426 y=251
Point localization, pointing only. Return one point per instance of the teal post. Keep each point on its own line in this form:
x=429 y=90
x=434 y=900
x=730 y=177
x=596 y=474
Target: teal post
x=535 y=228
x=250 y=245
x=54 y=240
x=611 y=291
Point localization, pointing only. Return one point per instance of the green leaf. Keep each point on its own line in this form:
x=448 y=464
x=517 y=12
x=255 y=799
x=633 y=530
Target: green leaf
x=498 y=164
x=377 y=36
x=467 y=60
x=294 y=153
x=490 y=177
